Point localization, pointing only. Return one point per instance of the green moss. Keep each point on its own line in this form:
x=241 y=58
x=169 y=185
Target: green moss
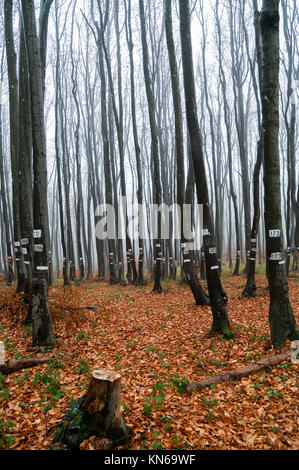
x=78 y=424
x=226 y=330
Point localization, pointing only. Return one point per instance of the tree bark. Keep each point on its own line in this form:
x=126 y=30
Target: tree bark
x=199 y=294
x=97 y=413
x=155 y=148
x=218 y=297
x=282 y=322
x=41 y=319
x=11 y=58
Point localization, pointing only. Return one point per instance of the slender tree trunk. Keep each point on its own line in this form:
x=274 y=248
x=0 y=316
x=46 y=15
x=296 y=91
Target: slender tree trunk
x=218 y=297
x=155 y=148
x=79 y=206
x=199 y=294
x=3 y=191
x=107 y=167
x=229 y=146
x=57 y=149
x=140 y=280
x=11 y=58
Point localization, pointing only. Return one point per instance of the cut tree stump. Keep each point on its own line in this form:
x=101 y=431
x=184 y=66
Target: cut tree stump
x=240 y=372
x=97 y=413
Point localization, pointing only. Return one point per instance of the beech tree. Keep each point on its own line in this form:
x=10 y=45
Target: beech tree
x=282 y=322
x=198 y=292
x=41 y=320
x=116 y=127
x=11 y=58
x=154 y=146
x=218 y=297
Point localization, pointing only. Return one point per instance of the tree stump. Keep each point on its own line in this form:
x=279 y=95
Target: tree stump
x=97 y=413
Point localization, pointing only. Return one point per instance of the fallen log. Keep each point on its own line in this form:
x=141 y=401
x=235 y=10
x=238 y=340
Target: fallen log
x=240 y=372
x=12 y=366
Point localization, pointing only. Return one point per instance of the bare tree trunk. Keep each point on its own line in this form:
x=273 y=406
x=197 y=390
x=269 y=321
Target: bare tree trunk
x=218 y=297
x=140 y=280
x=229 y=145
x=199 y=294
x=282 y=322
x=250 y=289
x=41 y=319
x=107 y=163
x=155 y=148
x=14 y=136
x=25 y=171
x=3 y=191
x=57 y=149
x=79 y=208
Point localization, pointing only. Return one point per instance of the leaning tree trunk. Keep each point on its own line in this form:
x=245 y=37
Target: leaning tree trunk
x=41 y=320
x=250 y=288
x=57 y=150
x=238 y=70
x=140 y=280
x=282 y=322
x=107 y=163
x=227 y=121
x=9 y=268
x=199 y=294
x=218 y=297
x=155 y=148
x=14 y=133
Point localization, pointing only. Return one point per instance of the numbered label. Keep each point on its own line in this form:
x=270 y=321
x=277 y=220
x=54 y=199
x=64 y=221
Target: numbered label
x=276 y=257
x=274 y=233
x=37 y=233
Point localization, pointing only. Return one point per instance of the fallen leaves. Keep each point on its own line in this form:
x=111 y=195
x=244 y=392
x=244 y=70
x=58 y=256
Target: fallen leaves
x=155 y=342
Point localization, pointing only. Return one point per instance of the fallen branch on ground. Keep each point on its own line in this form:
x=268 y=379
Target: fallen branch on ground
x=74 y=308
x=27 y=362
x=240 y=372
x=64 y=307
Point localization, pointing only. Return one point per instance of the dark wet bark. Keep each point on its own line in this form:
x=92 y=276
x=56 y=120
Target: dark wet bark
x=11 y=58
x=41 y=319
x=199 y=294
x=282 y=322
x=155 y=148
x=218 y=297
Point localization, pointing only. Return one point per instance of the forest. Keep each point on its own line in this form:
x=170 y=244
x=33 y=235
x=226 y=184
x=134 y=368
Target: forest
x=149 y=225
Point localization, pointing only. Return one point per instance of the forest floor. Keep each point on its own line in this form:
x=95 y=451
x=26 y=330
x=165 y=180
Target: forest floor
x=158 y=343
